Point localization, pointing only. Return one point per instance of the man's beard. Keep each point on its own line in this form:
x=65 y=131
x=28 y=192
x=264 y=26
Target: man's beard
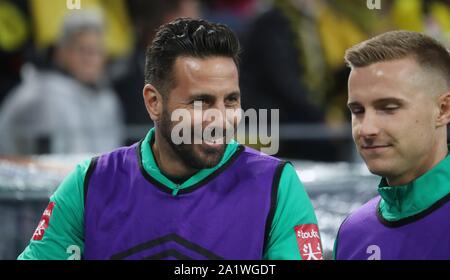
x=191 y=157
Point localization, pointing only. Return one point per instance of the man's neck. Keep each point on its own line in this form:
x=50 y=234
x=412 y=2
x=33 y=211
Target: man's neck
x=168 y=161
x=440 y=153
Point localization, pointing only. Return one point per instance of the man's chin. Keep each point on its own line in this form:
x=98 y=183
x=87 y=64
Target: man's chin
x=201 y=156
x=210 y=155
x=211 y=147
x=379 y=169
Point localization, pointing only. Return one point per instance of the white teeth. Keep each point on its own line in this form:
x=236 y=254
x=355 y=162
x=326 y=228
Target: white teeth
x=212 y=141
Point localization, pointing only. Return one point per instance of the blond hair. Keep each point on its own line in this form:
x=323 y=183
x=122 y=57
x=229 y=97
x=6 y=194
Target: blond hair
x=426 y=51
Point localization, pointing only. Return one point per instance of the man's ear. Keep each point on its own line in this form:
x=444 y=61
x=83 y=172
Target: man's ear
x=153 y=102
x=444 y=109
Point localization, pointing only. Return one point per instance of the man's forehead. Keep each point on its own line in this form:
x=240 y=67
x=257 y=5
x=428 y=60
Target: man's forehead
x=369 y=90
x=219 y=66
x=397 y=68
x=388 y=79
x=189 y=85
x=203 y=75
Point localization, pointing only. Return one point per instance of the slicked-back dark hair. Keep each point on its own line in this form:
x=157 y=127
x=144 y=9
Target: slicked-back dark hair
x=185 y=37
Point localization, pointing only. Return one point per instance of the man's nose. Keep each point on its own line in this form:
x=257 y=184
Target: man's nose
x=214 y=114
x=368 y=126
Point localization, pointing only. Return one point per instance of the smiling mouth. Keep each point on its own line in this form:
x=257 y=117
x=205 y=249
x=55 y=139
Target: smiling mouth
x=213 y=138
x=216 y=141
x=375 y=147
x=212 y=141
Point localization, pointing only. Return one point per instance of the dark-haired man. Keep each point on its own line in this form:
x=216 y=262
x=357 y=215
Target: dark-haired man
x=399 y=98
x=210 y=198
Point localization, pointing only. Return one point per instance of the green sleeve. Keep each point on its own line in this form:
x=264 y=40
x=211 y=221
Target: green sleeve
x=293 y=208
x=64 y=237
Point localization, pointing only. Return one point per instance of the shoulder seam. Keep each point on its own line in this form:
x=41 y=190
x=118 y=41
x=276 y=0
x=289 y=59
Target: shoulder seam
x=261 y=155
x=87 y=177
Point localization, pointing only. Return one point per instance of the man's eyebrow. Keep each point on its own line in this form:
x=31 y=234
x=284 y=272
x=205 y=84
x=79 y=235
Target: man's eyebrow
x=388 y=100
x=233 y=94
x=206 y=96
x=209 y=96
x=381 y=101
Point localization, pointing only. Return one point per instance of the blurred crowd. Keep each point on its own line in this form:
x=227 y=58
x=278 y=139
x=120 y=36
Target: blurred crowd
x=71 y=79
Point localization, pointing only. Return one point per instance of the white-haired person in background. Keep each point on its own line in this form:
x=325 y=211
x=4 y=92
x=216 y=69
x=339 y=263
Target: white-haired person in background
x=70 y=108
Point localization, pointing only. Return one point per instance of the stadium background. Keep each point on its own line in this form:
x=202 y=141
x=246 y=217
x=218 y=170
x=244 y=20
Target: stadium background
x=305 y=41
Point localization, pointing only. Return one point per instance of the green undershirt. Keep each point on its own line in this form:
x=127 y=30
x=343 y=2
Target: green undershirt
x=399 y=202
x=403 y=201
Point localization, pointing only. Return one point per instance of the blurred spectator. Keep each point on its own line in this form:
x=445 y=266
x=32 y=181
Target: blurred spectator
x=372 y=22
x=70 y=109
x=234 y=13
x=429 y=16
x=48 y=15
x=292 y=61
x=129 y=78
x=291 y=58
x=14 y=38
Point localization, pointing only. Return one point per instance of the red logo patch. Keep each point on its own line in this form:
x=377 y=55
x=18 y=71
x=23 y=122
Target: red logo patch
x=308 y=239
x=43 y=223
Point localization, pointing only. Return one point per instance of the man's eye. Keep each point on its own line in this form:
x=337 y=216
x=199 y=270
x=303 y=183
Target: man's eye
x=357 y=111
x=232 y=100
x=390 y=109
